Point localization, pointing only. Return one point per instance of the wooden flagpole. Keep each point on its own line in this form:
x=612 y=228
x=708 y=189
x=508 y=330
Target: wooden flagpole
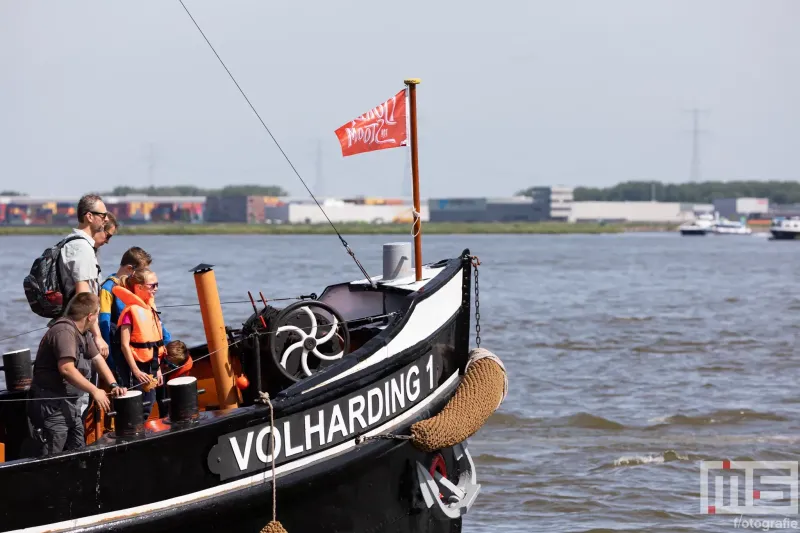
x=412 y=83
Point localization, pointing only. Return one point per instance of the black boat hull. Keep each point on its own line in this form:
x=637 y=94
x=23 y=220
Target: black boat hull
x=694 y=232
x=214 y=473
x=316 y=499
x=784 y=235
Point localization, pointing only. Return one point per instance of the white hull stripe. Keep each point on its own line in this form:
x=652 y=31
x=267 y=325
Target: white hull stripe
x=427 y=316
x=253 y=480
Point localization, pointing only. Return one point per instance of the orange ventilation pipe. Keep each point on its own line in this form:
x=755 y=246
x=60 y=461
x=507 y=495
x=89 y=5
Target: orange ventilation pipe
x=214 y=324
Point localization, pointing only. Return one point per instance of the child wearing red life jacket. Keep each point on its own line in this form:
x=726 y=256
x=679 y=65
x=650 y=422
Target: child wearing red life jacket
x=141 y=335
x=177 y=362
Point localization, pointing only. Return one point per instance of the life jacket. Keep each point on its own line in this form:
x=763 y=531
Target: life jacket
x=181 y=370
x=147 y=338
x=113 y=335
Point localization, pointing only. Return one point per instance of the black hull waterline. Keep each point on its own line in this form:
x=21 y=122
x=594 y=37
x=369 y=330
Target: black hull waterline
x=694 y=232
x=372 y=488
x=215 y=473
x=784 y=235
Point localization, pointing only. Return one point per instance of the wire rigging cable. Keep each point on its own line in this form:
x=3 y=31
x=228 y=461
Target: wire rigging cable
x=344 y=243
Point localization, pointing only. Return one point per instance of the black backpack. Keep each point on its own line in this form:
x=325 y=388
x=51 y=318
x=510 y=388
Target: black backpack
x=43 y=286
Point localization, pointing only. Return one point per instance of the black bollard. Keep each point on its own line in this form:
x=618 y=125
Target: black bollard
x=128 y=414
x=183 y=399
x=18 y=369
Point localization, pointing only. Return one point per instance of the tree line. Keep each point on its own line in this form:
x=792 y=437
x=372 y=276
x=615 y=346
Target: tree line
x=778 y=192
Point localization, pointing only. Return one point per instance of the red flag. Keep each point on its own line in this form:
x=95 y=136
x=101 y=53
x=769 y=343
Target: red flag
x=379 y=128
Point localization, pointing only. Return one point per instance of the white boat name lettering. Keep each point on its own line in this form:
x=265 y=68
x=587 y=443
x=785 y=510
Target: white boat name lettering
x=310 y=431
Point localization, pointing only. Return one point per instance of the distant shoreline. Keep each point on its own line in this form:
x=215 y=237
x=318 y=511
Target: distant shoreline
x=428 y=228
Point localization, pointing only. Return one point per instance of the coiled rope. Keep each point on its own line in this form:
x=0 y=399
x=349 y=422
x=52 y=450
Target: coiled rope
x=480 y=393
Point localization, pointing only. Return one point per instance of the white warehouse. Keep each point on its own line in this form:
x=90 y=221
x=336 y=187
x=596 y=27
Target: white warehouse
x=645 y=212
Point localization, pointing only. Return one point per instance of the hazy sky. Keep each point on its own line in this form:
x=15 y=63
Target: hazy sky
x=513 y=94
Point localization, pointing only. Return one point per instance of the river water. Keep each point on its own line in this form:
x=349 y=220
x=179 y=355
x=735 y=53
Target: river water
x=631 y=358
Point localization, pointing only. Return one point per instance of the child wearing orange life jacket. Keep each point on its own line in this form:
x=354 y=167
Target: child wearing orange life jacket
x=141 y=335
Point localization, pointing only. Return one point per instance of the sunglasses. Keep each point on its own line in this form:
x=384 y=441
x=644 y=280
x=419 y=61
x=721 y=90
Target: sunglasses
x=108 y=236
x=151 y=285
x=99 y=214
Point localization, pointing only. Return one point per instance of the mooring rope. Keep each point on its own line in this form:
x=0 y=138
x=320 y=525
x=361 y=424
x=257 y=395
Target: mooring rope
x=129 y=388
x=163 y=374
x=414 y=229
x=274 y=526
x=22 y=334
x=170 y=306
x=209 y=354
x=40 y=399
x=196 y=304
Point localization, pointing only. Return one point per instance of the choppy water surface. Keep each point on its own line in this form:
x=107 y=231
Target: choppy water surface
x=631 y=358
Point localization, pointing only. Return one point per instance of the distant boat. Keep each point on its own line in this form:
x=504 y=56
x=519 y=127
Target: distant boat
x=785 y=228
x=730 y=227
x=700 y=226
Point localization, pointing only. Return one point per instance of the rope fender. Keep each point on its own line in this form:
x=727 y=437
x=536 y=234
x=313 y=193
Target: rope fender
x=273 y=527
x=480 y=393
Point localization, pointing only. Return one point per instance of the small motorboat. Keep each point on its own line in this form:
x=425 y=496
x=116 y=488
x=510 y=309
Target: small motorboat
x=723 y=226
x=701 y=225
x=785 y=228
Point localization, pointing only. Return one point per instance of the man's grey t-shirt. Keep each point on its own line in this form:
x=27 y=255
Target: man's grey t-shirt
x=79 y=263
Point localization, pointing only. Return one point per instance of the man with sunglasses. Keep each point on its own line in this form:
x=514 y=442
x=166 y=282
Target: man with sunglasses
x=109 y=230
x=79 y=268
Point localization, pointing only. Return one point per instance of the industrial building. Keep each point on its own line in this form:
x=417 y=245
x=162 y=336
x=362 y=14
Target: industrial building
x=545 y=203
x=784 y=210
x=27 y=210
x=241 y=209
x=517 y=208
x=733 y=208
x=24 y=210
x=307 y=212
x=644 y=212
x=552 y=203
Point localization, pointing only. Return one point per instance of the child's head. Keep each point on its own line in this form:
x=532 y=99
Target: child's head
x=143 y=283
x=134 y=259
x=177 y=352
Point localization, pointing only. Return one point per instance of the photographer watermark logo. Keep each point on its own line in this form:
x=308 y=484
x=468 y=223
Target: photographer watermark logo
x=756 y=481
